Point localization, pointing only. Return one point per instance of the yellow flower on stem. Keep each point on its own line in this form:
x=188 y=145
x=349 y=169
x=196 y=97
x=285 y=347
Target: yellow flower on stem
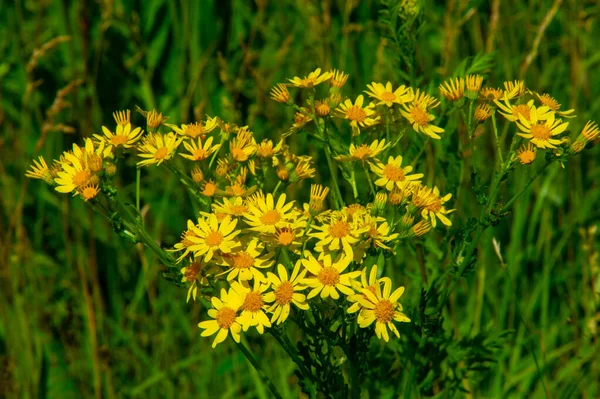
x=453 y=89
x=386 y=95
x=328 y=277
x=417 y=97
x=514 y=112
x=200 y=152
x=253 y=305
x=289 y=236
x=358 y=115
x=539 y=131
x=370 y=284
x=417 y=115
x=383 y=308
x=40 y=170
x=549 y=101
x=473 y=83
x=235 y=207
x=212 y=237
x=89 y=191
x=340 y=233
x=490 y=93
x=225 y=317
x=526 y=154
x=514 y=89
x=123 y=137
x=280 y=93
x=196 y=129
x=122 y=117
x=364 y=152
x=245 y=263
x=285 y=292
x=318 y=193
x=392 y=174
x=378 y=231
x=242 y=146
x=338 y=78
x=265 y=216
x=435 y=208
x=157 y=148
x=313 y=79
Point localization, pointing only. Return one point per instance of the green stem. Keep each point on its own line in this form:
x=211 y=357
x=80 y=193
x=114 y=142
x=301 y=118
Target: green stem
x=522 y=190
x=369 y=180
x=258 y=369
x=497 y=139
x=337 y=194
x=138 y=175
x=279 y=183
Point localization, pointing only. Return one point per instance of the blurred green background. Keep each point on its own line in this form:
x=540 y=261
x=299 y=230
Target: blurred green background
x=83 y=314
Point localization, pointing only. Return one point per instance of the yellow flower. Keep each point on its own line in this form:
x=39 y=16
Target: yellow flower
x=435 y=208
x=422 y=99
x=314 y=78
x=338 y=78
x=489 y=93
x=364 y=152
x=547 y=100
x=157 y=148
x=40 y=170
x=265 y=216
x=514 y=112
x=590 y=131
x=370 y=284
x=540 y=131
x=386 y=95
x=339 y=233
x=253 y=305
x=328 y=277
x=483 y=112
x=200 y=152
x=236 y=207
x=379 y=233
x=89 y=191
x=185 y=244
x=196 y=129
x=289 y=236
x=122 y=117
x=154 y=119
x=393 y=174
x=453 y=89
x=382 y=307
x=526 y=154
x=318 y=193
x=514 y=89
x=211 y=236
x=242 y=146
x=322 y=108
x=245 y=263
x=280 y=93
x=285 y=292
x=473 y=83
x=209 y=188
x=75 y=173
x=417 y=115
x=225 y=317
x=356 y=114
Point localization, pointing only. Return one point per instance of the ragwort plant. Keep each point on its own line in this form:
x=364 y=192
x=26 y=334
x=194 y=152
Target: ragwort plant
x=265 y=253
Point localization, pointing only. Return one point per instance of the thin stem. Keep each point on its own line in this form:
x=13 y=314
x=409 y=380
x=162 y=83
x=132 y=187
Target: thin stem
x=497 y=140
x=337 y=194
x=138 y=175
x=258 y=369
x=522 y=190
x=279 y=183
x=369 y=180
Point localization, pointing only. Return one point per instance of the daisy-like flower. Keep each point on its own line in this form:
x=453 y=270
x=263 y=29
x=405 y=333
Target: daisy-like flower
x=417 y=115
x=154 y=119
x=209 y=188
x=514 y=89
x=265 y=149
x=387 y=95
x=211 y=236
x=322 y=108
x=473 y=83
x=379 y=232
x=490 y=94
x=539 y=131
x=253 y=305
x=370 y=284
x=303 y=170
x=453 y=89
x=318 y=193
x=338 y=79
x=383 y=308
x=364 y=152
x=418 y=97
x=245 y=263
x=340 y=233
x=549 y=101
x=314 y=78
x=514 y=112
x=280 y=93
x=40 y=170
x=123 y=137
x=435 y=208
x=242 y=146
x=196 y=129
x=526 y=154
x=89 y=191
x=590 y=131
x=289 y=237
x=158 y=148
x=392 y=174
x=225 y=317
x=200 y=152
x=358 y=115
x=236 y=207
x=483 y=112
x=122 y=117
x=185 y=244
x=327 y=276
x=285 y=293
x=265 y=216
x=74 y=176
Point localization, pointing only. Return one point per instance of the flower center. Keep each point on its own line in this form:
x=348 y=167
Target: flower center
x=118 y=139
x=253 y=302
x=388 y=96
x=81 y=178
x=434 y=206
x=89 y=192
x=362 y=152
x=420 y=116
x=394 y=172
x=356 y=113
x=161 y=153
x=225 y=317
x=339 y=229
x=214 y=239
x=329 y=276
x=243 y=260
x=285 y=237
x=384 y=311
x=527 y=157
x=521 y=109
x=200 y=154
x=541 y=132
x=271 y=217
x=284 y=293
x=194 y=130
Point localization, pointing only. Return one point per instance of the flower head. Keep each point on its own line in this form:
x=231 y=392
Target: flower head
x=199 y=151
x=541 y=130
x=364 y=152
x=158 y=148
x=392 y=174
x=358 y=115
x=212 y=237
x=386 y=95
x=285 y=292
x=265 y=216
x=526 y=154
x=245 y=263
x=417 y=115
x=253 y=305
x=123 y=137
x=453 y=89
x=226 y=319
x=327 y=276
x=280 y=93
x=313 y=79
